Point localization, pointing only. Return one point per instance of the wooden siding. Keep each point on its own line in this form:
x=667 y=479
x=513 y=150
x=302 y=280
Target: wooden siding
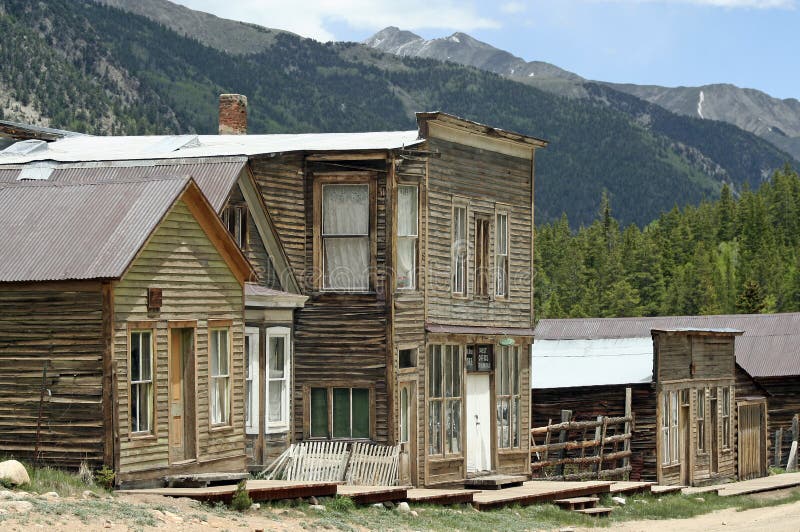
x=281 y=184
x=255 y=251
x=197 y=285
x=60 y=326
x=487 y=180
x=783 y=402
x=588 y=402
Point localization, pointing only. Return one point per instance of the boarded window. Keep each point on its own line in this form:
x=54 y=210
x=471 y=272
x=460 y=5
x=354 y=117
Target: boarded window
x=508 y=397
x=407 y=236
x=141 y=398
x=444 y=400
x=501 y=255
x=459 y=251
x=345 y=237
x=220 y=377
x=482 y=272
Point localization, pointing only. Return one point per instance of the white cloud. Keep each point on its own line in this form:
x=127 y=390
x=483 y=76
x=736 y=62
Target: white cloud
x=314 y=18
x=752 y=4
x=513 y=7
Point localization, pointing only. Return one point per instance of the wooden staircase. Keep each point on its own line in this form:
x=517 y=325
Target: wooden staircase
x=583 y=505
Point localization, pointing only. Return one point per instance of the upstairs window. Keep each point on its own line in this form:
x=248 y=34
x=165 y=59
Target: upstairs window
x=407 y=236
x=482 y=272
x=345 y=234
x=501 y=255
x=459 y=251
x=235 y=219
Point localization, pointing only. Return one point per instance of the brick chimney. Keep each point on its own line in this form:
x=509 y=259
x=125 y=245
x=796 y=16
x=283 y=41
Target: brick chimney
x=232 y=114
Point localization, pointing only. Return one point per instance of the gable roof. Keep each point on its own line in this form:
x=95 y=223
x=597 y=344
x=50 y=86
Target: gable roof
x=79 y=231
x=769 y=347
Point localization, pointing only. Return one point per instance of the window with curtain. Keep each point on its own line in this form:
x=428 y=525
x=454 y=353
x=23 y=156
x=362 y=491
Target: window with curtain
x=277 y=379
x=508 y=397
x=407 y=236
x=444 y=400
x=501 y=255
x=251 y=380
x=220 y=377
x=141 y=396
x=459 y=251
x=345 y=237
x=344 y=413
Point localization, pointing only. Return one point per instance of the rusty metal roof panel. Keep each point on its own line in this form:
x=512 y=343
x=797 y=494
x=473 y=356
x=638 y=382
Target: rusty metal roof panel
x=769 y=347
x=214 y=176
x=54 y=232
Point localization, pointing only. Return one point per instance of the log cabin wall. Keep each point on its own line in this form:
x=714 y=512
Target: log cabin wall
x=696 y=371
x=783 y=403
x=486 y=182
x=588 y=402
x=57 y=326
x=197 y=286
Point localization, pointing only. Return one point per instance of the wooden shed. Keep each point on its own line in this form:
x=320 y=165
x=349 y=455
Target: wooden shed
x=687 y=427
x=121 y=328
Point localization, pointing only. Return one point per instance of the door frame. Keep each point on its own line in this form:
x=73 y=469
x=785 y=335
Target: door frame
x=189 y=392
x=761 y=402
x=410 y=447
x=491 y=423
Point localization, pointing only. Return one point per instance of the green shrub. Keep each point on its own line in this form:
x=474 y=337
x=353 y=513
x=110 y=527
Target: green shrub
x=105 y=477
x=241 y=500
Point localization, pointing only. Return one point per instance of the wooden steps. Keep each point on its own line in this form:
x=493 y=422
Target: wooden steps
x=440 y=496
x=495 y=482
x=537 y=492
x=665 y=490
x=577 y=503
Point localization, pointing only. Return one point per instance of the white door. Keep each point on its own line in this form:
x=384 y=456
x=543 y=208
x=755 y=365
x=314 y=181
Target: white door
x=479 y=423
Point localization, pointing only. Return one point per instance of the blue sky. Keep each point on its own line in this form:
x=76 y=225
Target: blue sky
x=750 y=43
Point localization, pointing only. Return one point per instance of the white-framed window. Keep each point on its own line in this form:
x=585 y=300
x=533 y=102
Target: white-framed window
x=407 y=236
x=279 y=355
x=346 y=236
x=444 y=399
x=670 y=439
x=251 y=348
x=220 y=354
x=501 y=255
x=141 y=376
x=673 y=427
x=459 y=248
x=508 y=397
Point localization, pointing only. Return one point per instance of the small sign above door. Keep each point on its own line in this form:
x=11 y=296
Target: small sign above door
x=479 y=357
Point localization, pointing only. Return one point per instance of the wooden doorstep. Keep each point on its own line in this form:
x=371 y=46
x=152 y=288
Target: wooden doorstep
x=440 y=496
x=577 y=503
x=495 y=482
x=259 y=490
x=598 y=512
x=624 y=487
x=537 y=492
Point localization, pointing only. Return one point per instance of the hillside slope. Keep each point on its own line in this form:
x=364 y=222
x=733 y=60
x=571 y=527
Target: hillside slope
x=79 y=65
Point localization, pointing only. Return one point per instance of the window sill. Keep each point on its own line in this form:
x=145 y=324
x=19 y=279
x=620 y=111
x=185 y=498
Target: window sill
x=446 y=458
x=512 y=450
x=221 y=428
x=142 y=437
x=331 y=291
x=282 y=429
x=406 y=371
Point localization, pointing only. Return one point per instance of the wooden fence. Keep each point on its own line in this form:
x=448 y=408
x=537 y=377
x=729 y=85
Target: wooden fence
x=358 y=463
x=582 y=450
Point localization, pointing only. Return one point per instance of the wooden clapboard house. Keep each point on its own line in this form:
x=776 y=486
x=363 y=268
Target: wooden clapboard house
x=413 y=250
x=121 y=327
x=695 y=422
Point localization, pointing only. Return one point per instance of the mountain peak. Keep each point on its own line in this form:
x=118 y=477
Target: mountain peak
x=393 y=37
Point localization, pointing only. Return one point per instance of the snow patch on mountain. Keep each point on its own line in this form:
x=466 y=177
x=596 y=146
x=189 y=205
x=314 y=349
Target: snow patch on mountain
x=700 y=104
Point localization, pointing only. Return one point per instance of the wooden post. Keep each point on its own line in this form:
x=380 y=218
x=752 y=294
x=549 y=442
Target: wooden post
x=628 y=427
x=598 y=433
x=602 y=447
x=566 y=415
x=778 y=447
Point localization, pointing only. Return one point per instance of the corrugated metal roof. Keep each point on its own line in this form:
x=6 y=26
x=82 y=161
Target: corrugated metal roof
x=568 y=363
x=60 y=232
x=214 y=176
x=769 y=347
x=88 y=148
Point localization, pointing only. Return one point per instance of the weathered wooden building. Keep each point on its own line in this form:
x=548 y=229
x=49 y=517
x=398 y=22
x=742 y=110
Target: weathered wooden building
x=393 y=276
x=121 y=327
x=688 y=426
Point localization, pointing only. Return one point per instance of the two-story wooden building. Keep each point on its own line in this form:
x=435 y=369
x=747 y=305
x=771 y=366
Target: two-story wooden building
x=393 y=297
